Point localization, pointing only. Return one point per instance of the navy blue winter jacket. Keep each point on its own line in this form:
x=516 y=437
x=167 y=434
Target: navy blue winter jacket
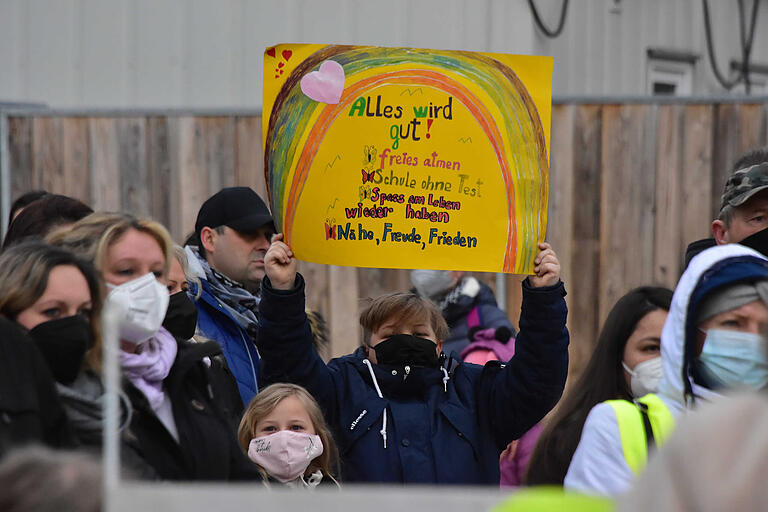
x=436 y=431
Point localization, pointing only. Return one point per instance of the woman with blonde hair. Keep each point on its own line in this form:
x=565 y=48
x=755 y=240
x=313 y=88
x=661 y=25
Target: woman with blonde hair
x=177 y=424
x=284 y=432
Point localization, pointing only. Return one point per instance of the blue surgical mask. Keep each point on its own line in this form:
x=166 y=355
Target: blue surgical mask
x=735 y=359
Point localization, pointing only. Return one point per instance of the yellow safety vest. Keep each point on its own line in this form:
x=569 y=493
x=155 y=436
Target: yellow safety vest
x=553 y=499
x=633 y=419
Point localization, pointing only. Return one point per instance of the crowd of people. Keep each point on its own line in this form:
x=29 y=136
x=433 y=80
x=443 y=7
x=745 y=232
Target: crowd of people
x=222 y=379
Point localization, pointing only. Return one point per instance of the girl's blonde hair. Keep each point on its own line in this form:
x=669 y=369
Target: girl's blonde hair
x=266 y=401
x=24 y=272
x=91 y=237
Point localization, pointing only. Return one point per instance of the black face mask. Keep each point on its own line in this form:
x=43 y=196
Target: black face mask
x=757 y=241
x=406 y=349
x=181 y=316
x=63 y=344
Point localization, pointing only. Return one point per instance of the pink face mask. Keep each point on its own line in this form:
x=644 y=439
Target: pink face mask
x=286 y=454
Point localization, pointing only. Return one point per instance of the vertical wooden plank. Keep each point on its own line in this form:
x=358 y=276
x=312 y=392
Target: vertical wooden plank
x=738 y=129
x=697 y=193
x=48 y=171
x=132 y=163
x=645 y=206
x=751 y=128
x=560 y=222
x=514 y=298
x=617 y=145
x=398 y=280
x=343 y=317
x=764 y=124
x=219 y=135
x=249 y=157
x=667 y=232
x=627 y=202
x=373 y=282
x=316 y=278
x=559 y=225
x=583 y=286
x=189 y=178
x=159 y=172
x=20 y=155
x=725 y=147
x=76 y=179
x=104 y=168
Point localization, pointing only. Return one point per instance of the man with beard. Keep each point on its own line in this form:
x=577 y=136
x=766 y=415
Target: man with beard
x=232 y=234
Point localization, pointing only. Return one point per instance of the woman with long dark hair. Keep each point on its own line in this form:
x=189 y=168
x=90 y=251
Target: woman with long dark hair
x=630 y=337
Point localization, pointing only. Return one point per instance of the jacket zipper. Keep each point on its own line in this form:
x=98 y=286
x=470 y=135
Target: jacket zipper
x=247 y=351
x=242 y=338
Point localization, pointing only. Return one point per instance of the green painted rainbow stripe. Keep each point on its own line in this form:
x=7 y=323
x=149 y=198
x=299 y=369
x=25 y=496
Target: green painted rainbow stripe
x=292 y=111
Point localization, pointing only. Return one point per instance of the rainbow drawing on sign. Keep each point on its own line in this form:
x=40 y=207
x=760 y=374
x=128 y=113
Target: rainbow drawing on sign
x=437 y=159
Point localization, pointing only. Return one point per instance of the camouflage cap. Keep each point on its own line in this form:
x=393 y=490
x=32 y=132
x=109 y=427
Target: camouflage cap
x=745 y=183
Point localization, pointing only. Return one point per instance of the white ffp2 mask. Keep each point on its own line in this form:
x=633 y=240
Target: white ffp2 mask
x=140 y=305
x=431 y=283
x=645 y=376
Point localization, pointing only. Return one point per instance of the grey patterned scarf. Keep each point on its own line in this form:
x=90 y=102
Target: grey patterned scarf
x=239 y=302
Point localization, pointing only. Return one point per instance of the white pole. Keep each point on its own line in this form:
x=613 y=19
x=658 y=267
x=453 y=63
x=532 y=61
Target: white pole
x=5 y=174
x=501 y=291
x=111 y=452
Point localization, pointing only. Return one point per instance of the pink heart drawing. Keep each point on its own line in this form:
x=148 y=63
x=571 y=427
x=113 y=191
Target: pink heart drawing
x=326 y=84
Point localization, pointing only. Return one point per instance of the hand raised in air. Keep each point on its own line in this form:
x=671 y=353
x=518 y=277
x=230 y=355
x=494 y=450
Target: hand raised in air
x=279 y=264
x=547 y=267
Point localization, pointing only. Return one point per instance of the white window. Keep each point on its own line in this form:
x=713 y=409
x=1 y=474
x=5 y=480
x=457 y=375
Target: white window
x=669 y=78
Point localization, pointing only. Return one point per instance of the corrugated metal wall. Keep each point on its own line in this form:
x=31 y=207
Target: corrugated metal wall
x=208 y=53
x=602 y=50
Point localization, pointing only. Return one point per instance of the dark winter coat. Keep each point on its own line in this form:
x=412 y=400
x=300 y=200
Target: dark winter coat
x=456 y=313
x=207 y=447
x=30 y=409
x=437 y=431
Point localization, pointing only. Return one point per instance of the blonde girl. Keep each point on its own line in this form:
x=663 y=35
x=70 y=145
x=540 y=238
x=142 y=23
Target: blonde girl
x=283 y=431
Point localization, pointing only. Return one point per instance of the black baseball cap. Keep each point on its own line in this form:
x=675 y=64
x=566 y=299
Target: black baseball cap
x=239 y=208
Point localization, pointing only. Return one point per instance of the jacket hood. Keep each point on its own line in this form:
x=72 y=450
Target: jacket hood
x=468 y=294
x=711 y=269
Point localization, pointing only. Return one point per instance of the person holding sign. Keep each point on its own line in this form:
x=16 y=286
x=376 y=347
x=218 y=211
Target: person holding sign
x=398 y=414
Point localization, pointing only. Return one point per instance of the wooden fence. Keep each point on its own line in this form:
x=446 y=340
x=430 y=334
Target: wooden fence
x=630 y=186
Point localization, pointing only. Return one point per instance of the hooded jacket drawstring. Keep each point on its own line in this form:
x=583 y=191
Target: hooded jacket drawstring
x=446 y=378
x=383 y=430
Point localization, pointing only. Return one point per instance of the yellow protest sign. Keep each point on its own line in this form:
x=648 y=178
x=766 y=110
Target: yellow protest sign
x=408 y=158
